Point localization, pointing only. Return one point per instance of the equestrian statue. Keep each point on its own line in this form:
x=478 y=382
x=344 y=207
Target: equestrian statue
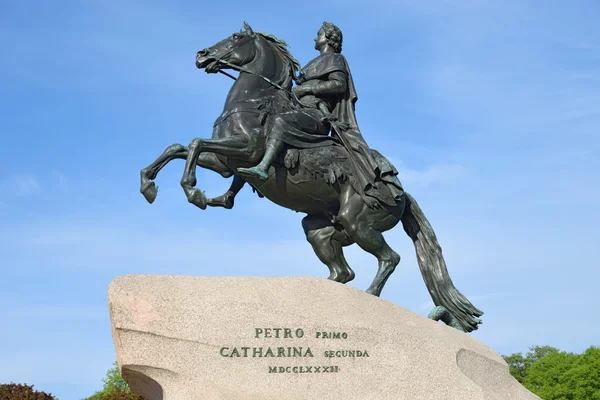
x=300 y=147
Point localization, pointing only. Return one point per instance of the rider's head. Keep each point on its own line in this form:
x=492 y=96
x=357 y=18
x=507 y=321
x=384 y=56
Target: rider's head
x=333 y=35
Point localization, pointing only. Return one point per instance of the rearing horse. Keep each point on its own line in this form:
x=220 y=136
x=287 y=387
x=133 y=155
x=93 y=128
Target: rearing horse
x=315 y=181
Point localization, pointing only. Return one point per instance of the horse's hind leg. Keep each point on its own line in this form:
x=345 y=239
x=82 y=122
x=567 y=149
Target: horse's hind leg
x=364 y=225
x=327 y=243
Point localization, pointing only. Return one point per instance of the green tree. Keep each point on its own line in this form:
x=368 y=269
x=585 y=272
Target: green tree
x=558 y=375
x=114 y=388
x=519 y=364
x=546 y=376
x=13 y=391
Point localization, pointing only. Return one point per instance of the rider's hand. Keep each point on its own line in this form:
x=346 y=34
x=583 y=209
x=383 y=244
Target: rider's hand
x=330 y=117
x=301 y=90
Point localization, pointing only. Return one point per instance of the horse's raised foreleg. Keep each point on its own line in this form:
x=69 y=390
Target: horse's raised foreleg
x=327 y=243
x=147 y=175
x=234 y=146
x=176 y=151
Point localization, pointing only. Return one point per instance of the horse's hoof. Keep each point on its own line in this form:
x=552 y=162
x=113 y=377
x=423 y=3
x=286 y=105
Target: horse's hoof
x=198 y=199
x=342 y=276
x=348 y=276
x=149 y=190
x=373 y=292
x=221 y=201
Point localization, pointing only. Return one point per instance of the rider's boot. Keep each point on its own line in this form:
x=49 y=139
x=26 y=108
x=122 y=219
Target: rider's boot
x=260 y=171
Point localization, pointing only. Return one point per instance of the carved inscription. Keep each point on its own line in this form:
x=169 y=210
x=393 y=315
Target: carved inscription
x=295 y=350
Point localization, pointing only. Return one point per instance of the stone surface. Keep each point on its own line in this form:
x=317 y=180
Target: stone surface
x=187 y=338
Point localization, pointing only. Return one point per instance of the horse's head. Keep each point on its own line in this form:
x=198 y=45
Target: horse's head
x=255 y=52
x=235 y=50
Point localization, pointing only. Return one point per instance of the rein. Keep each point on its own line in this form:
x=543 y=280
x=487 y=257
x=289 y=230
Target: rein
x=242 y=69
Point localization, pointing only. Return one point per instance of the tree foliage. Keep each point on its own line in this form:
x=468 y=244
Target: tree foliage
x=114 y=388
x=519 y=364
x=13 y=391
x=557 y=375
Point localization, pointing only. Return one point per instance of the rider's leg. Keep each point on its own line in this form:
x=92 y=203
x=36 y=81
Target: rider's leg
x=272 y=148
x=296 y=128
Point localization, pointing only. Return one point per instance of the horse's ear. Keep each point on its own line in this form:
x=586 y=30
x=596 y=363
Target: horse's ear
x=248 y=28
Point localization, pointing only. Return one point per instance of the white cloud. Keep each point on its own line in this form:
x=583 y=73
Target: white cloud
x=60 y=179
x=434 y=174
x=174 y=249
x=587 y=45
x=21 y=185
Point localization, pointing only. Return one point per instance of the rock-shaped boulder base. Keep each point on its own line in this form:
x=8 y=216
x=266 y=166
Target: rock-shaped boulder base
x=204 y=338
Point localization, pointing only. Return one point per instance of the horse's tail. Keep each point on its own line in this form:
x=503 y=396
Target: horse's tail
x=433 y=268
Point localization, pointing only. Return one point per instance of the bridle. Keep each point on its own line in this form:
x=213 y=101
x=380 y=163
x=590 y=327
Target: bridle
x=239 y=68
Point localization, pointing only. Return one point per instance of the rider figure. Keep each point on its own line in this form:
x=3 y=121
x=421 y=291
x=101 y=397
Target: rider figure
x=307 y=126
x=327 y=94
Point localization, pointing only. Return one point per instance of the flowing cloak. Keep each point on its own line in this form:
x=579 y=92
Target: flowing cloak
x=374 y=175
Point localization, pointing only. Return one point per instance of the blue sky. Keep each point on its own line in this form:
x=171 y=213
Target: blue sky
x=488 y=109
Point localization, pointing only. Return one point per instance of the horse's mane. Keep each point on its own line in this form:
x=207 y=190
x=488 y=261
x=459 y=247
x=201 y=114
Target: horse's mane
x=281 y=47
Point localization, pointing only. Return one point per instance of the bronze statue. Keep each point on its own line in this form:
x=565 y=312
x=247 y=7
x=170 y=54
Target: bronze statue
x=326 y=94
x=277 y=139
